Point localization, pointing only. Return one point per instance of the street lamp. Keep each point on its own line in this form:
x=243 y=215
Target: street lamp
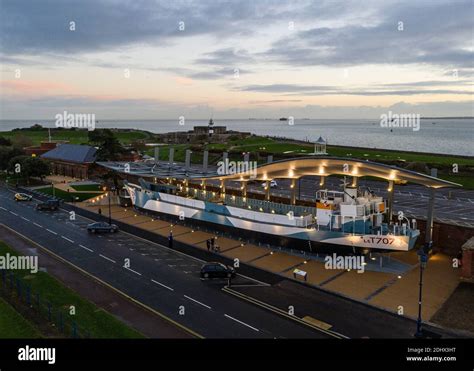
x=110 y=207
x=423 y=258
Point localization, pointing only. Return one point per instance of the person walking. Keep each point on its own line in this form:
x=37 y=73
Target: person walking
x=213 y=244
x=208 y=244
x=170 y=240
x=99 y=211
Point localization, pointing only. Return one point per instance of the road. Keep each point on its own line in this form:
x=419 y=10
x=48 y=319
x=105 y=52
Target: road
x=162 y=279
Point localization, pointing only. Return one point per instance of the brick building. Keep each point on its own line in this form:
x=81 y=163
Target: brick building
x=72 y=160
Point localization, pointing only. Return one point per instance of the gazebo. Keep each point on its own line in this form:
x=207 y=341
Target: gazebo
x=320 y=147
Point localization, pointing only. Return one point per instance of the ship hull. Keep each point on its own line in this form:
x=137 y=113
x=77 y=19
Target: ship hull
x=258 y=227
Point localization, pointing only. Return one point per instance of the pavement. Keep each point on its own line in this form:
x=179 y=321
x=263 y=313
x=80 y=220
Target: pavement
x=168 y=281
x=392 y=286
x=164 y=280
x=141 y=319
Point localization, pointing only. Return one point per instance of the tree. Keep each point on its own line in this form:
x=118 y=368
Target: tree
x=6 y=154
x=110 y=147
x=5 y=141
x=27 y=167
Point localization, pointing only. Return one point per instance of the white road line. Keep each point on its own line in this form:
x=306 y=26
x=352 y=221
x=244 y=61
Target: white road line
x=28 y=220
x=198 y=302
x=86 y=248
x=131 y=270
x=67 y=239
x=3 y=208
x=159 y=283
x=103 y=256
x=242 y=323
x=38 y=225
x=11 y=212
x=50 y=231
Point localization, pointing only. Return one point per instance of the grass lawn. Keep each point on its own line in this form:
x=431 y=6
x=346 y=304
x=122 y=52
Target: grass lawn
x=99 y=323
x=73 y=136
x=66 y=196
x=87 y=187
x=13 y=325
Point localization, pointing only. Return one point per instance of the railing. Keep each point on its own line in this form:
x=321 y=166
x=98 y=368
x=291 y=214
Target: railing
x=17 y=291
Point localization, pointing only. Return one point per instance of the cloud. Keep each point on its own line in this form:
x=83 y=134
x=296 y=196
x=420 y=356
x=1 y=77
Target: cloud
x=414 y=88
x=437 y=33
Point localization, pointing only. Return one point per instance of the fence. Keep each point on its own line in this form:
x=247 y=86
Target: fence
x=14 y=287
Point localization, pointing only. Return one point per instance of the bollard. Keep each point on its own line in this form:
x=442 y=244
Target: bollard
x=74 y=329
x=28 y=301
x=61 y=325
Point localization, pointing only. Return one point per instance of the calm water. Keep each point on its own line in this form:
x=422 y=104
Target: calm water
x=449 y=136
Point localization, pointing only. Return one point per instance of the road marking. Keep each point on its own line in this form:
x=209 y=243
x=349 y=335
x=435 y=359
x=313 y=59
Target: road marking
x=242 y=323
x=28 y=220
x=50 y=231
x=154 y=311
x=38 y=225
x=131 y=270
x=3 y=208
x=86 y=248
x=11 y=212
x=67 y=239
x=198 y=302
x=159 y=283
x=103 y=256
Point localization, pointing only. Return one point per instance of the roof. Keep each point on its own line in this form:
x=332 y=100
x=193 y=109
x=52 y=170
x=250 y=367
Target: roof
x=321 y=140
x=290 y=169
x=72 y=153
x=326 y=166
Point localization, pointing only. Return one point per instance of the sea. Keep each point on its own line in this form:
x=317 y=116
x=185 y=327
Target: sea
x=452 y=136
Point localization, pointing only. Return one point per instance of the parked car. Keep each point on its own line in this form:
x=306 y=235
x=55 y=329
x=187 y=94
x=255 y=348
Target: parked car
x=217 y=270
x=102 y=227
x=273 y=184
x=22 y=197
x=48 y=205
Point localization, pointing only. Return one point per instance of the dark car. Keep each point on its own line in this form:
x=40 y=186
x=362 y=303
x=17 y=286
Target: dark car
x=48 y=205
x=217 y=270
x=102 y=227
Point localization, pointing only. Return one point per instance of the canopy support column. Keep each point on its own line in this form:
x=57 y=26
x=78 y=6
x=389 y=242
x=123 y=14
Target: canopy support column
x=293 y=191
x=390 y=200
x=267 y=190
x=355 y=181
x=243 y=187
x=222 y=187
x=430 y=216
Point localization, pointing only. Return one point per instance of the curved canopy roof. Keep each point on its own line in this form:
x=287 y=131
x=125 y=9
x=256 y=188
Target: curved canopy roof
x=325 y=166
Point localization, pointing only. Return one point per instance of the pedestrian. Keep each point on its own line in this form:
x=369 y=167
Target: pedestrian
x=213 y=244
x=208 y=244
x=100 y=211
x=170 y=240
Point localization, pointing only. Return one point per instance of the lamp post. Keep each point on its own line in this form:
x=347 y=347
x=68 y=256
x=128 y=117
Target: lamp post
x=423 y=258
x=110 y=207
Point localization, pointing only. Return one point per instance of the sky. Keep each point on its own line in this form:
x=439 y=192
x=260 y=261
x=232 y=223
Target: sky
x=145 y=59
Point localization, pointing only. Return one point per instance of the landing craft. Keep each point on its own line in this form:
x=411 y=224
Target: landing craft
x=351 y=220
